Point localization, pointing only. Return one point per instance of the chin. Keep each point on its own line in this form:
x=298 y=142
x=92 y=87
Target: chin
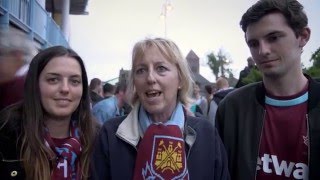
x=152 y=109
x=62 y=114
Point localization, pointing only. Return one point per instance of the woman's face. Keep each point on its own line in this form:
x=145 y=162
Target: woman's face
x=61 y=87
x=156 y=81
x=196 y=89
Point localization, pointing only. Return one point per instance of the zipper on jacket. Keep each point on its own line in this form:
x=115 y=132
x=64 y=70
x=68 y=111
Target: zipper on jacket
x=308 y=135
x=188 y=151
x=264 y=116
x=10 y=161
x=185 y=134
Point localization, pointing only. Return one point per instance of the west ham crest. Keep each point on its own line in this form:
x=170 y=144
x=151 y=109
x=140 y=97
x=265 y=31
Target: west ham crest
x=161 y=154
x=167 y=159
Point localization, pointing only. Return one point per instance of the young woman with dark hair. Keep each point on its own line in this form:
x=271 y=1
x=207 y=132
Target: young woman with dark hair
x=49 y=134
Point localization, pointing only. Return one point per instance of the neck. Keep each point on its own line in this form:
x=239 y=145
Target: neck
x=163 y=116
x=58 y=128
x=285 y=86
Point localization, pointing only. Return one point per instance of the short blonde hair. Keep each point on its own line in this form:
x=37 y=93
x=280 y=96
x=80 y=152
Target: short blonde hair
x=173 y=54
x=222 y=83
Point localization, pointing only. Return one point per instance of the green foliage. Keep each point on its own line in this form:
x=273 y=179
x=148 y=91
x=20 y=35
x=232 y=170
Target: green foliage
x=316 y=58
x=213 y=64
x=218 y=64
x=254 y=76
x=314 y=70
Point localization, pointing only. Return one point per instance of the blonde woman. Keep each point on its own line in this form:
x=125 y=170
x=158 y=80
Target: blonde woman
x=158 y=139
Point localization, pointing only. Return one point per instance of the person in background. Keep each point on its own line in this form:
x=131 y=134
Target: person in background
x=223 y=89
x=245 y=72
x=271 y=128
x=112 y=106
x=199 y=107
x=49 y=134
x=210 y=90
x=158 y=140
x=108 y=90
x=96 y=92
x=16 y=52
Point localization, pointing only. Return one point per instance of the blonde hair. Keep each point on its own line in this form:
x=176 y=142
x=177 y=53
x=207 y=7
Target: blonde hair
x=222 y=83
x=173 y=54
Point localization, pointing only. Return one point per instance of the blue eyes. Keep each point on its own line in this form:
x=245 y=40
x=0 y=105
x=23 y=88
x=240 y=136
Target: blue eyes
x=159 y=69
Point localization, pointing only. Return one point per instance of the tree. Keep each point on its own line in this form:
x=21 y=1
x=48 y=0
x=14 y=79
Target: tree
x=314 y=70
x=213 y=64
x=218 y=64
x=316 y=58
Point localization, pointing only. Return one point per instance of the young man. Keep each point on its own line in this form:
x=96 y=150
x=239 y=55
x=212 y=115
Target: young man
x=108 y=90
x=271 y=129
x=112 y=106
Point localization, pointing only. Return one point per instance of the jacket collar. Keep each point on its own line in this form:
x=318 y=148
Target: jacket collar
x=129 y=129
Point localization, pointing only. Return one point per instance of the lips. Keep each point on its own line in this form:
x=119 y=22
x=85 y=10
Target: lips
x=63 y=102
x=153 y=93
x=268 y=61
x=62 y=99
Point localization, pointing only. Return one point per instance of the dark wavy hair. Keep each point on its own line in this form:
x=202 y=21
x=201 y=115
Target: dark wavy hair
x=31 y=113
x=292 y=10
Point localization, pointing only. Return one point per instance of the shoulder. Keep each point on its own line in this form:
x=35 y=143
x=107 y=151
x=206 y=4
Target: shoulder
x=113 y=123
x=243 y=93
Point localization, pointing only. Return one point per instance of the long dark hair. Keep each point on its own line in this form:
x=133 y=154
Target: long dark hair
x=33 y=149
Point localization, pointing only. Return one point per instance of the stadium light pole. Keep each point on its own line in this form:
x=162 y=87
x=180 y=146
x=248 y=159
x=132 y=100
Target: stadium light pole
x=166 y=7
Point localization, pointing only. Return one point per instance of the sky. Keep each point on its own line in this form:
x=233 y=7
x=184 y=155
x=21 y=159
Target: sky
x=105 y=37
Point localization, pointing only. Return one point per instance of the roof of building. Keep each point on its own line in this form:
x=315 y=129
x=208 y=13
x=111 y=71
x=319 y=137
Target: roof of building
x=192 y=55
x=198 y=77
x=77 y=7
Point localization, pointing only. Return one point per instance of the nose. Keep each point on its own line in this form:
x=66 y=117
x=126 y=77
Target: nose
x=264 y=48
x=64 y=86
x=151 y=78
